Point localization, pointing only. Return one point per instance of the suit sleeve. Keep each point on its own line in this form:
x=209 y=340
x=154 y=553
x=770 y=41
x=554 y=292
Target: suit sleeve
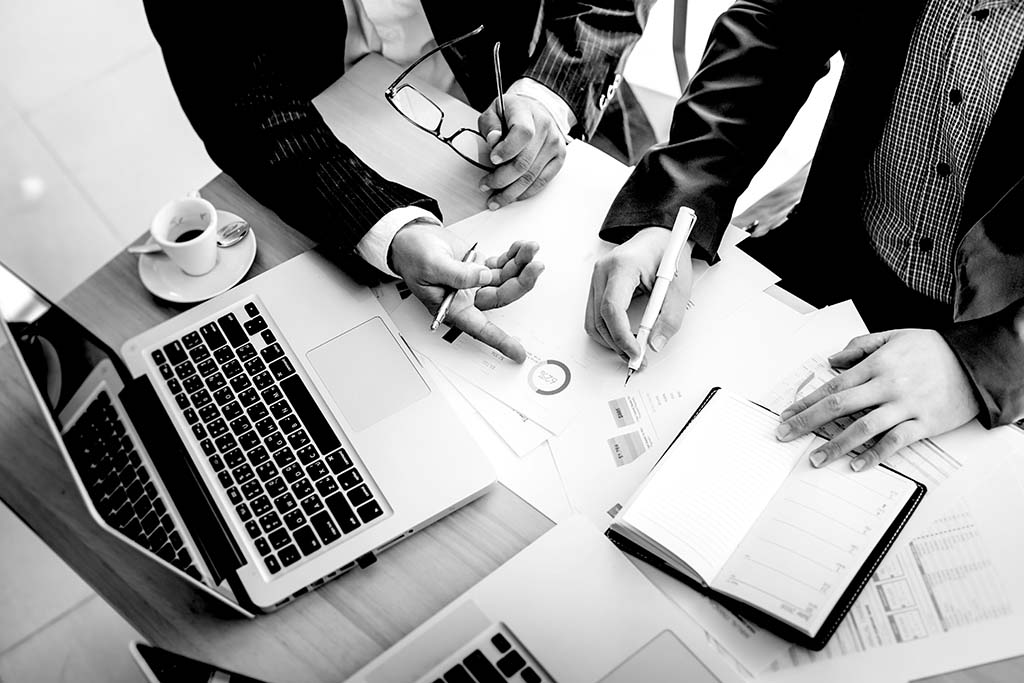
x=762 y=59
x=581 y=49
x=991 y=351
x=246 y=101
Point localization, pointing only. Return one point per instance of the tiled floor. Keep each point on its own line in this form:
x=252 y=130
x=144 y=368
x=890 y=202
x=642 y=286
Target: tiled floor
x=92 y=142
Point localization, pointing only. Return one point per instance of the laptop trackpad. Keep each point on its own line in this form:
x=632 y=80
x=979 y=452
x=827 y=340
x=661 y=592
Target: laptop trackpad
x=367 y=374
x=664 y=658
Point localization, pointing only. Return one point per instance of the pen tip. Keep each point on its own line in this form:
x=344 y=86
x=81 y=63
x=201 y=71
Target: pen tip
x=629 y=373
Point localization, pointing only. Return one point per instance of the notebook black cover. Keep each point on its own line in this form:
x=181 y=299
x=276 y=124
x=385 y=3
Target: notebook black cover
x=764 y=619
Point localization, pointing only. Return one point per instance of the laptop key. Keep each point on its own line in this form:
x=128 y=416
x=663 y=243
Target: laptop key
x=276 y=486
x=481 y=668
x=254 y=366
x=263 y=380
x=192 y=339
x=248 y=397
x=294 y=520
x=223 y=396
x=226 y=442
x=510 y=664
x=240 y=425
x=218 y=427
x=215 y=381
x=249 y=440
x=275 y=441
x=284 y=457
x=253 y=528
x=326 y=486
x=208 y=447
x=243 y=474
x=212 y=335
x=343 y=513
x=285 y=503
x=258 y=455
x=234 y=495
x=193 y=384
x=369 y=511
x=272 y=353
x=234 y=458
x=303 y=488
x=255 y=325
x=201 y=398
x=317 y=470
x=225 y=479
x=282 y=367
x=338 y=461
x=501 y=642
x=240 y=383
x=312 y=505
x=268 y=337
x=289 y=555
x=159 y=358
x=199 y=431
x=224 y=354
x=174 y=386
x=166 y=372
x=251 y=489
x=279 y=539
x=182 y=400
x=207 y=367
x=288 y=424
x=305 y=538
x=530 y=676
x=260 y=506
x=273 y=566
x=175 y=353
x=233 y=410
x=209 y=413
x=245 y=352
x=280 y=409
x=185 y=370
x=457 y=674
x=350 y=478
x=262 y=546
x=325 y=527
x=251 y=309
x=266 y=471
x=243 y=511
x=270 y=522
x=265 y=426
x=359 y=495
x=257 y=412
x=308 y=455
x=199 y=353
x=216 y=463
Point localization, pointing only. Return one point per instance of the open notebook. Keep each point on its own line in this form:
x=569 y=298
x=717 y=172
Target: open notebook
x=748 y=521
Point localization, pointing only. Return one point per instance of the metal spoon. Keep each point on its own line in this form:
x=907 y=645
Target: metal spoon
x=227 y=236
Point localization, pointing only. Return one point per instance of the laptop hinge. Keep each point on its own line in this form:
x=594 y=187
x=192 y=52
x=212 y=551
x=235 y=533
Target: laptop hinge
x=183 y=480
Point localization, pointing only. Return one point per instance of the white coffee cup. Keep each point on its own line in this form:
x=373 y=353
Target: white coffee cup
x=186 y=230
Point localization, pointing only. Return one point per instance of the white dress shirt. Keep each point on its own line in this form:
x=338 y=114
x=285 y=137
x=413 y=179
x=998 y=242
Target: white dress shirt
x=398 y=30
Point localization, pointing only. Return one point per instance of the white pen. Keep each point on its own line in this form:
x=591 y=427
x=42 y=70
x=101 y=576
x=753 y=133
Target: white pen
x=666 y=273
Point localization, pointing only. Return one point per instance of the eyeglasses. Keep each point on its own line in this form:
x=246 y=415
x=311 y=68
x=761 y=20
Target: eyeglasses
x=425 y=114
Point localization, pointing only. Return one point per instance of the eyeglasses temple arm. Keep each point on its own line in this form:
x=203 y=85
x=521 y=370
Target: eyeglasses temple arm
x=501 y=89
x=440 y=47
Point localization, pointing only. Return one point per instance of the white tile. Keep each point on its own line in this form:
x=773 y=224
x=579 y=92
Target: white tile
x=35 y=585
x=49 y=46
x=49 y=232
x=126 y=140
x=87 y=645
x=7 y=110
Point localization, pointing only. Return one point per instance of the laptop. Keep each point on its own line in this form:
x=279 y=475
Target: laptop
x=570 y=608
x=259 y=443
x=163 y=666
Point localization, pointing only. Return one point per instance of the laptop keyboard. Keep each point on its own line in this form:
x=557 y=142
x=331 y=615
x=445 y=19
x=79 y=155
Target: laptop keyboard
x=495 y=658
x=120 y=486
x=293 y=486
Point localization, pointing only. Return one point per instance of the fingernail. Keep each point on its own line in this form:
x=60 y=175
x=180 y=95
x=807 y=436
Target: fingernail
x=495 y=159
x=818 y=458
x=783 y=431
x=858 y=464
x=493 y=137
x=786 y=414
x=658 y=343
x=484 y=278
x=493 y=206
x=483 y=187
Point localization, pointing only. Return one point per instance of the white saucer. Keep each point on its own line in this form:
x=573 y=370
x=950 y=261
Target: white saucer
x=165 y=280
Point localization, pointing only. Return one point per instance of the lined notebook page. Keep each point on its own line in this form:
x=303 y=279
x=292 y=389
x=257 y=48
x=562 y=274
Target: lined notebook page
x=713 y=483
x=812 y=539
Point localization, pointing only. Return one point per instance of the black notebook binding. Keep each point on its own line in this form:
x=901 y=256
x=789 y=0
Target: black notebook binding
x=761 y=618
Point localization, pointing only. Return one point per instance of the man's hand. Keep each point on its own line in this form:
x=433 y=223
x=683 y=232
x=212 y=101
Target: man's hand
x=429 y=259
x=910 y=380
x=626 y=271
x=528 y=157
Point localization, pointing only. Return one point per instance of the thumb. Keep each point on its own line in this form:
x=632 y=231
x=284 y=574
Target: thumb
x=449 y=272
x=858 y=349
x=489 y=125
x=672 y=312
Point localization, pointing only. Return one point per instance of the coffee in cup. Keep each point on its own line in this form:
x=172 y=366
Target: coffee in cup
x=186 y=230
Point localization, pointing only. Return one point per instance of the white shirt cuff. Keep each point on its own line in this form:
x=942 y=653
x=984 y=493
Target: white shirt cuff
x=556 y=106
x=374 y=246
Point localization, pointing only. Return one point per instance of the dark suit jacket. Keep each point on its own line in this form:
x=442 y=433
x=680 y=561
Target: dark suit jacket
x=763 y=58
x=249 y=96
